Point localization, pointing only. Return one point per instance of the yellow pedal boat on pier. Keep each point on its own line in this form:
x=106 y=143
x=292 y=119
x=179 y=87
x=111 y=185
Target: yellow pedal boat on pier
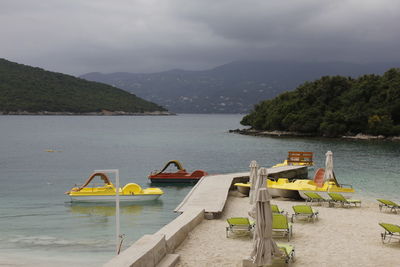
x=105 y=192
x=282 y=187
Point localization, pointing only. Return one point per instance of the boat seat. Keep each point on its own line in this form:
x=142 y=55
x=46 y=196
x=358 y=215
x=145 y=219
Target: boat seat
x=131 y=189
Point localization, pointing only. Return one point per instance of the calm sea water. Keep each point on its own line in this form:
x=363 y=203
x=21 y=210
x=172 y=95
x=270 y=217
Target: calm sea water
x=36 y=220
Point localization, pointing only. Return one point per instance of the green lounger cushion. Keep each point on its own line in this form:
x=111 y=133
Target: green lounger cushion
x=392 y=228
x=281 y=224
x=275 y=209
x=239 y=225
x=391 y=231
x=388 y=204
x=304 y=210
x=288 y=251
x=336 y=197
x=314 y=196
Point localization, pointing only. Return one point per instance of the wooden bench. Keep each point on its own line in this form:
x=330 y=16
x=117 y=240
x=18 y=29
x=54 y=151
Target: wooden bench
x=300 y=157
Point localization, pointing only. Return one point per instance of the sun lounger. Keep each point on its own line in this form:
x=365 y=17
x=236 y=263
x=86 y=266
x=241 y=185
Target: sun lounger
x=314 y=197
x=239 y=225
x=391 y=231
x=276 y=209
x=339 y=198
x=384 y=203
x=304 y=211
x=281 y=225
x=287 y=251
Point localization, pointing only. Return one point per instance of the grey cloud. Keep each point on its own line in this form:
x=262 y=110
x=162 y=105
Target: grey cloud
x=149 y=35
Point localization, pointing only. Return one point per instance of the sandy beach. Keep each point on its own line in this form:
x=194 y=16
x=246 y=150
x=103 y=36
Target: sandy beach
x=341 y=236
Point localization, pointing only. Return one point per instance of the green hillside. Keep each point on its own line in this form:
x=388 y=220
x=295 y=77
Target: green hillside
x=334 y=106
x=230 y=88
x=24 y=88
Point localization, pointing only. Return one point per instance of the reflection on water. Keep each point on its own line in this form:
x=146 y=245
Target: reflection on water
x=107 y=210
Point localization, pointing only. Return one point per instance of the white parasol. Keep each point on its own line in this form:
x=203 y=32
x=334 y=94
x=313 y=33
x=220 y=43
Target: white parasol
x=328 y=175
x=253 y=178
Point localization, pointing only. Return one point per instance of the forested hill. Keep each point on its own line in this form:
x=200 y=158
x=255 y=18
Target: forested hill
x=34 y=90
x=334 y=106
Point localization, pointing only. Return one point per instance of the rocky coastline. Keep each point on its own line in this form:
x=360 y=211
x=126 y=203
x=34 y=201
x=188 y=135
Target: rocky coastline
x=101 y=113
x=359 y=136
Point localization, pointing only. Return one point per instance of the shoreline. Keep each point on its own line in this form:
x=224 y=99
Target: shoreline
x=259 y=133
x=102 y=113
x=207 y=245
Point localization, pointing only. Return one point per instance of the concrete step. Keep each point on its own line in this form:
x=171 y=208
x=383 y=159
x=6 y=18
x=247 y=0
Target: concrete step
x=170 y=260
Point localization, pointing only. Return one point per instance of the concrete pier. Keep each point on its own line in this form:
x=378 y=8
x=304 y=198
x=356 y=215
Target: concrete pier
x=211 y=192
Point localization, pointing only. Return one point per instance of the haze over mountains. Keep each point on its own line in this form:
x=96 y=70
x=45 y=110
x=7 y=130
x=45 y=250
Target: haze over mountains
x=230 y=88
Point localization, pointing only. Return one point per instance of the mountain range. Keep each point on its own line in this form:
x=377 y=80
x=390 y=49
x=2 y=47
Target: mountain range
x=231 y=88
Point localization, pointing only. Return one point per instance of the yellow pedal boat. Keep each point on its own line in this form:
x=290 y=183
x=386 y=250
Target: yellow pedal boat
x=282 y=187
x=243 y=188
x=105 y=192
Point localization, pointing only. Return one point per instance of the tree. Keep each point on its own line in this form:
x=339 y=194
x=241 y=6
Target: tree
x=334 y=106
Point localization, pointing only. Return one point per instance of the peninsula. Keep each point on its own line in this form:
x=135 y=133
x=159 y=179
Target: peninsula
x=26 y=90
x=333 y=106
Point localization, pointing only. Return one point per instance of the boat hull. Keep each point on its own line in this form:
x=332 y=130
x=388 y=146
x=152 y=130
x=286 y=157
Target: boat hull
x=174 y=180
x=181 y=176
x=284 y=193
x=299 y=194
x=243 y=188
x=297 y=189
x=111 y=198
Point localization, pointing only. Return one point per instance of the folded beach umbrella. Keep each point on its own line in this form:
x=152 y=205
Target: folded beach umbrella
x=253 y=178
x=264 y=248
x=260 y=183
x=328 y=175
x=261 y=179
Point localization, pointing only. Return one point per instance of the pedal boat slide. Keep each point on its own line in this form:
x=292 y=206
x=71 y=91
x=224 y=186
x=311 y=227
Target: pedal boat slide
x=180 y=176
x=105 y=192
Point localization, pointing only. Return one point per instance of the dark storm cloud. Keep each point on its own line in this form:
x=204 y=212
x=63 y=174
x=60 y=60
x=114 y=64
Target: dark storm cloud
x=76 y=37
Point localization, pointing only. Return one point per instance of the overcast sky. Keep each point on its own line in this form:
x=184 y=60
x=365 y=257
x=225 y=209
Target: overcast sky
x=80 y=36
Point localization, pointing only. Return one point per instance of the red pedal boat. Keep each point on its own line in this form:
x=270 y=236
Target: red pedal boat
x=181 y=176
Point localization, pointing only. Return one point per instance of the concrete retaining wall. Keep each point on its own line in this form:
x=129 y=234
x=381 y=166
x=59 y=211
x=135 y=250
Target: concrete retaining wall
x=176 y=231
x=149 y=250
x=146 y=252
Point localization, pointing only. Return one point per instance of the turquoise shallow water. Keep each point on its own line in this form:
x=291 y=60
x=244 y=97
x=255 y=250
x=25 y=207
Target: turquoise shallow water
x=37 y=221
